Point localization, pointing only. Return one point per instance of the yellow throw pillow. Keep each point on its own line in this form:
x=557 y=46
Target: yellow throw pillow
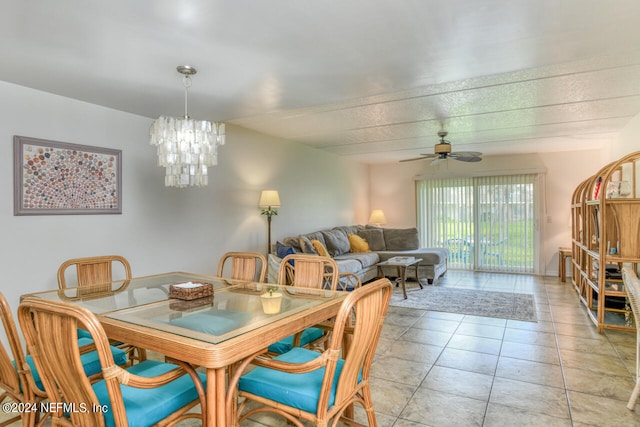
x=358 y=244
x=319 y=247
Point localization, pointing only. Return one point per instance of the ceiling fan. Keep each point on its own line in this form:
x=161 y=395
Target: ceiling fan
x=442 y=151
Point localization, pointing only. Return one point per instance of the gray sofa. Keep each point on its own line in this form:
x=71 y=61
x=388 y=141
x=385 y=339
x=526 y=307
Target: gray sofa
x=384 y=243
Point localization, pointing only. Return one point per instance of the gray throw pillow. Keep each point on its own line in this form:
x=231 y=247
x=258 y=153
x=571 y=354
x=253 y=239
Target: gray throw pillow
x=337 y=242
x=349 y=229
x=306 y=246
x=374 y=237
x=401 y=239
x=316 y=235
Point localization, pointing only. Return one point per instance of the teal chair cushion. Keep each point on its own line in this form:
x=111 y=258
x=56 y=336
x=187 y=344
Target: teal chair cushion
x=308 y=336
x=34 y=371
x=300 y=391
x=90 y=361
x=214 y=321
x=83 y=333
x=146 y=407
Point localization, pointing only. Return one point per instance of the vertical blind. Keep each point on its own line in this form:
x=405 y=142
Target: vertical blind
x=487 y=223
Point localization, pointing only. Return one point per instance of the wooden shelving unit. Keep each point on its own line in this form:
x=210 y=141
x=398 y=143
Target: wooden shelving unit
x=605 y=214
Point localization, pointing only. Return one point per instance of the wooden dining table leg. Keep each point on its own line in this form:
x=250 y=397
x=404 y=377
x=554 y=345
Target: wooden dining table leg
x=220 y=397
x=210 y=419
x=216 y=392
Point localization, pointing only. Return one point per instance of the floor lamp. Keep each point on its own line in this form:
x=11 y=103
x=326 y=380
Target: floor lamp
x=269 y=201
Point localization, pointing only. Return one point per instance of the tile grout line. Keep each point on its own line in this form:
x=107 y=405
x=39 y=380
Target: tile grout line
x=555 y=336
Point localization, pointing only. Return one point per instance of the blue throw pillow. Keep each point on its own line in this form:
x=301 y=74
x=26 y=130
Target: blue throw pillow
x=283 y=250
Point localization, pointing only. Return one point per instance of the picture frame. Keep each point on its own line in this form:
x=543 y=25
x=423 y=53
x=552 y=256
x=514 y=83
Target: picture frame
x=59 y=178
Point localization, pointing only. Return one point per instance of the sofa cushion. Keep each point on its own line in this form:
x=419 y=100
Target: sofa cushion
x=431 y=256
x=349 y=229
x=401 y=239
x=305 y=246
x=316 y=235
x=365 y=259
x=294 y=242
x=375 y=238
x=336 y=242
x=348 y=265
x=358 y=244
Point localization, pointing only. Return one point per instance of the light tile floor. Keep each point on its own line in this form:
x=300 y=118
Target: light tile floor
x=443 y=369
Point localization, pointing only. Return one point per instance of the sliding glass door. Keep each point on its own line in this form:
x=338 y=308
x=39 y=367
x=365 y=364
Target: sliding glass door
x=487 y=223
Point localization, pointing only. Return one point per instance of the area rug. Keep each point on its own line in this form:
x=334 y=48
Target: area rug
x=505 y=305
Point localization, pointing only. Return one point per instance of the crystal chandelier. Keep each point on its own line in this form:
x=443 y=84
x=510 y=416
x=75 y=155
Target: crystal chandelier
x=186 y=147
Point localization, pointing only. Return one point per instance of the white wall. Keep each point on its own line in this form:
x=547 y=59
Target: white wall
x=393 y=189
x=164 y=229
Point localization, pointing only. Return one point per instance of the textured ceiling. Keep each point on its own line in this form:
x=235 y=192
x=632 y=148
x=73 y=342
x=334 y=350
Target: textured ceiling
x=373 y=80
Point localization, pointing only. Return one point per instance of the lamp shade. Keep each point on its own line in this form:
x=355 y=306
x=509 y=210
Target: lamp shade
x=269 y=198
x=377 y=217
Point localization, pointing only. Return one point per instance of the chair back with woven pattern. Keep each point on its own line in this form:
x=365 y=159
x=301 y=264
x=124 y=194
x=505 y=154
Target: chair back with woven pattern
x=16 y=381
x=308 y=271
x=94 y=275
x=247 y=266
x=370 y=304
x=50 y=330
x=93 y=270
x=348 y=281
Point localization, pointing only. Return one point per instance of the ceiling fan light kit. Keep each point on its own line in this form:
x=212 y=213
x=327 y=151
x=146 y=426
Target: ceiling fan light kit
x=442 y=148
x=442 y=151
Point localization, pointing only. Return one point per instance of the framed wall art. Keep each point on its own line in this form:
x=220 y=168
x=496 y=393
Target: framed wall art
x=58 y=178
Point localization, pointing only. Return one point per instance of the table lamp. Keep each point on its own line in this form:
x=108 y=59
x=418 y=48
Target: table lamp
x=377 y=218
x=269 y=200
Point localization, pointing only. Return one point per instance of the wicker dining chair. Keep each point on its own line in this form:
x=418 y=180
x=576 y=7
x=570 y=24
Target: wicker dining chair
x=157 y=393
x=348 y=281
x=98 y=270
x=632 y=288
x=17 y=380
x=93 y=270
x=20 y=379
x=306 y=271
x=247 y=266
x=305 y=385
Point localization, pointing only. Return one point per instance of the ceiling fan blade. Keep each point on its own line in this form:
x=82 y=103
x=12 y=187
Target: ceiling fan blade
x=424 y=156
x=466 y=154
x=467 y=159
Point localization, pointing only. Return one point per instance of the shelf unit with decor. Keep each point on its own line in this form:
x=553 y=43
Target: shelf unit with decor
x=578 y=246
x=605 y=216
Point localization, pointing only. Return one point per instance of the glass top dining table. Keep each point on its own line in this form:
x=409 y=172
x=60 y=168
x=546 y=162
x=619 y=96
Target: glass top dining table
x=236 y=322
